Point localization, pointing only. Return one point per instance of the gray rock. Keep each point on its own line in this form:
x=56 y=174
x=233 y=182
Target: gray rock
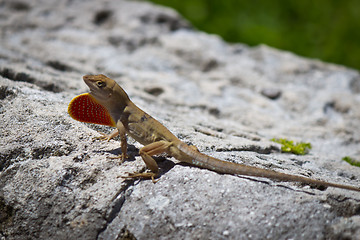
x=57 y=182
x=271 y=93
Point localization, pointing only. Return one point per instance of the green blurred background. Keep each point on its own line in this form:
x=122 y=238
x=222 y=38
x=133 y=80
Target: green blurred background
x=325 y=29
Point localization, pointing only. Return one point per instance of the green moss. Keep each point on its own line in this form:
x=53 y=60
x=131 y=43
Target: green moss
x=288 y=146
x=351 y=161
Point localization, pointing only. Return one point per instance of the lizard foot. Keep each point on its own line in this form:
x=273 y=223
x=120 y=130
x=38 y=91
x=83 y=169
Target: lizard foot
x=103 y=137
x=107 y=137
x=142 y=175
x=122 y=157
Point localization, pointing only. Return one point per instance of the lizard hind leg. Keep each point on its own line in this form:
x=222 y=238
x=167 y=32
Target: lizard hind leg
x=146 y=154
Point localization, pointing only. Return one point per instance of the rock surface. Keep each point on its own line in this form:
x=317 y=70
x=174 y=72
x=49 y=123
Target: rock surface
x=57 y=182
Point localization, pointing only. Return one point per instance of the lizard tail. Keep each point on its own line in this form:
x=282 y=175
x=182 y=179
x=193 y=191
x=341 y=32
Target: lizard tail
x=201 y=160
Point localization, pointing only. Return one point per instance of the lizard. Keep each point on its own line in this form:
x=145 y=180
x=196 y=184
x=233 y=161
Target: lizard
x=108 y=104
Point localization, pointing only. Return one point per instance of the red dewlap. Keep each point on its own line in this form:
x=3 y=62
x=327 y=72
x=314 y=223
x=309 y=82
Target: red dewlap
x=84 y=108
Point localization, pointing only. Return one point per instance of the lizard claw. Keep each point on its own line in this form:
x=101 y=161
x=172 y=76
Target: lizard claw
x=146 y=175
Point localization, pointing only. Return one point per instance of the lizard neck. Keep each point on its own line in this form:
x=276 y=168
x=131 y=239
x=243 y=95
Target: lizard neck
x=117 y=102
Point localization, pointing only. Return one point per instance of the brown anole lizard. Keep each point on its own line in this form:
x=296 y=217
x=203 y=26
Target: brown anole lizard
x=108 y=104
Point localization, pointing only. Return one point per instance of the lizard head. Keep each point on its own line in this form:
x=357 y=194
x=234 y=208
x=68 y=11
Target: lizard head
x=101 y=87
x=105 y=90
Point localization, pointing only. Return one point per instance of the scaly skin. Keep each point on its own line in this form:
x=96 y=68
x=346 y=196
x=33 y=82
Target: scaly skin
x=108 y=104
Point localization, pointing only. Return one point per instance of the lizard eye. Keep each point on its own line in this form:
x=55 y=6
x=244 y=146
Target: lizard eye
x=100 y=84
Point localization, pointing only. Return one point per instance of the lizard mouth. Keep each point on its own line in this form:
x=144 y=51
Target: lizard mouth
x=93 y=89
x=90 y=81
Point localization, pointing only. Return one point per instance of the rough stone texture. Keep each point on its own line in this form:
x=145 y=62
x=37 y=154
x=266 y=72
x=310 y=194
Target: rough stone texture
x=57 y=182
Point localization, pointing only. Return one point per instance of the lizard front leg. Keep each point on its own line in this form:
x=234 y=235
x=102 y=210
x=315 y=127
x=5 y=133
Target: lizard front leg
x=146 y=154
x=123 y=142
